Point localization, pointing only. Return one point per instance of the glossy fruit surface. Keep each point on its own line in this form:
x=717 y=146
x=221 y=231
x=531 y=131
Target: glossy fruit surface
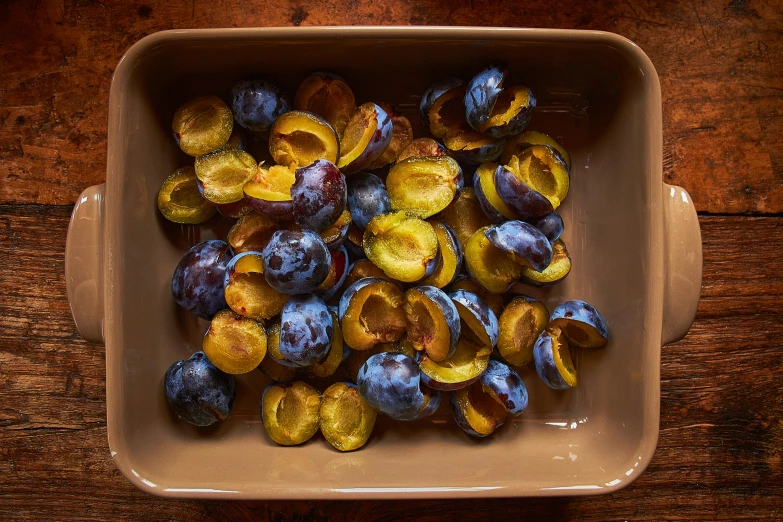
x=299 y=138
x=306 y=330
x=371 y=312
x=224 y=173
x=522 y=321
x=199 y=278
x=347 y=420
x=424 y=186
x=180 y=201
x=404 y=246
x=367 y=135
x=328 y=96
x=296 y=262
x=234 y=343
x=433 y=321
x=319 y=195
x=247 y=291
x=198 y=392
x=291 y=412
x=257 y=104
x=581 y=323
x=202 y=125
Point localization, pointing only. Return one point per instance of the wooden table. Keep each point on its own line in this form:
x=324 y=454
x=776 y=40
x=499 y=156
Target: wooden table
x=719 y=455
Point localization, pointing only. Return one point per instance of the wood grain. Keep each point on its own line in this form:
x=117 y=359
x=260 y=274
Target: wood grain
x=719 y=454
x=720 y=66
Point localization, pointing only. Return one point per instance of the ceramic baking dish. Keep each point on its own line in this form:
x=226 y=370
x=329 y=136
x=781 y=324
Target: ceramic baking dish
x=635 y=244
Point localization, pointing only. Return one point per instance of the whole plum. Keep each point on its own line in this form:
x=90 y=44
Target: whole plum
x=391 y=383
x=319 y=195
x=296 y=261
x=367 y=197
x=198 y=281
x=257 y=104
x=198 y=392
x=306 y=330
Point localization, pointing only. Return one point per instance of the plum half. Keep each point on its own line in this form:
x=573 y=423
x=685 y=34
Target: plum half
x=298 y=138
x=464 y=215
x=520 y=324
x=347 y=420
x=291 y=412
x=223 y=174
x=581 y=323
x=247 y=291
x=533 y=183
x=553 y=359
x=450 y=257
x=523 y=242
x=516 y=144
x=487 y=194
x=371 y=312
x=476 y=411
x=269 y=191
x=251 y=232
x=422 y=147
x=459 y=370
x=234 y=343
x=490 y=266
x=402 y=135
x=180 y=201
x=477 y=316
x=368 y=133
x=555 y=272
x=433 y=321
x=424 y=186
x=404 y=246
x=328 y=96
x=202 y=125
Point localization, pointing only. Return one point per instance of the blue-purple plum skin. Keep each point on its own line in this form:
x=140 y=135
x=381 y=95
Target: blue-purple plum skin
x=296 y=262
x=581 y=323
x=432 y=406
x=520 y=198
x=319 y=195
x=491 y=212
x=523 y=241
x=198 y=391
x=506 y=385
x=481 y=311
x=256 y=104
x=462 y=422
x=481 y=93
x=485 y=153
x=431 y=95
x=306 y=330
x=378 y=143
x=551 y=225
x=390 y=383
x=543 y=355
x=367 y=197
x=198 y=283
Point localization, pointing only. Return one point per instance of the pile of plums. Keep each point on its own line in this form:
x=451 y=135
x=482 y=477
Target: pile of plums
x=359 y=256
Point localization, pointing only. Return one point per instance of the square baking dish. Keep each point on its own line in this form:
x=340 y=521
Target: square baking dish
x=634 y=241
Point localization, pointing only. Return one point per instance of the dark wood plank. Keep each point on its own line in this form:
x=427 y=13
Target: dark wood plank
x=720 y=64
x=719 y=454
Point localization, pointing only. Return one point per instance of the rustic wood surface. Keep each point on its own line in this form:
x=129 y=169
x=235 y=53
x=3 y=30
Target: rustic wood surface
x=719 y=455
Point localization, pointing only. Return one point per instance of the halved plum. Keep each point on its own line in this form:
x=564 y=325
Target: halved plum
x=335 y=234
x=402 y=135
x=347 y=420
x=247 y=291
x=487 y=194
x=516 y=144
x=433 y=322
x=473 y=148
x=523 y=242
x=224 y=173
x=319 y=195
x=431 y=95
x=505 y=386
x=581 y=323
x=493 y=300
x=550 y=224
x=520 y=324
x=476 y=411
x=202 y=125
x=481 y=94
x=334 y=357
x=371 y=312
x=533 y=183
x=510 y=113
x=553 y=359
x=447 y=114
x=464 y=215
x=306 y=330
x=477 y=316
x=555 y=272
x=404 y=246
x=367 y=197
x=338 y=272
x=296 y=262
x=233 y=343
x=461 y=369
x=298 y=138
x=328 y=96
x=269 y=191
x=432 y=400
x=424 y=186
x=180 y=201
x=450 y=256
x=491 y=267
x=421 y=148
x=251 y=232
x=368 y=133
x=291 y=412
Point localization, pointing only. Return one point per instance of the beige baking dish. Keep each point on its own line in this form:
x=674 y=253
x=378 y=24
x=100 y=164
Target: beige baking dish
x=635 y=244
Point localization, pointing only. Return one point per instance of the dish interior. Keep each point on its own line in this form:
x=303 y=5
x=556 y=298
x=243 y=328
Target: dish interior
x=592 y=96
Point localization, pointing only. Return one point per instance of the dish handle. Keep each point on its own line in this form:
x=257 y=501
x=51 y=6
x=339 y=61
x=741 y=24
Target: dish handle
x=682 y=263
x=84 y=263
